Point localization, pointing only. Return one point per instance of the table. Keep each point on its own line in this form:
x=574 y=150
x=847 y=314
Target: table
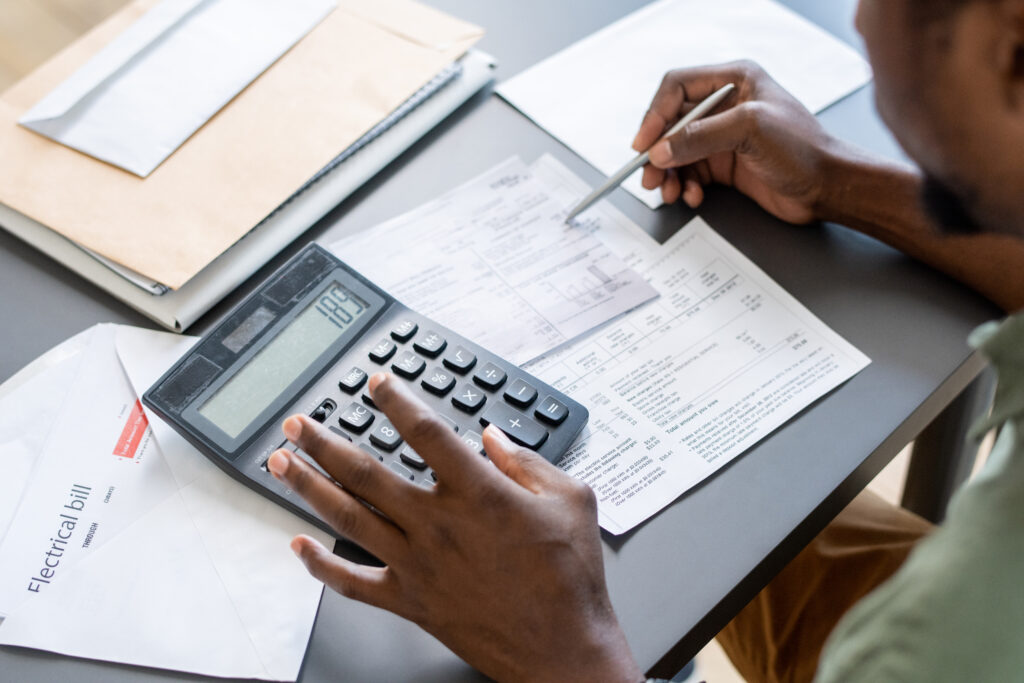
x=676 y=580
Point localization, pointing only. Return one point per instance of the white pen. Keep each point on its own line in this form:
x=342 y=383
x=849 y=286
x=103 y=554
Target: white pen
x=697 y=112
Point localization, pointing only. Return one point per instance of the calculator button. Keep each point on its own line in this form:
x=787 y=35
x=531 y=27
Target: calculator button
x=474 y=441
x=519 y=428
x=413 y=459
x=401 y=471
x=469 y=397
x=450 y=422
x=460 y=360
x=520 y=393
x=490 y=376
x=369 y=401
x=404 y=331
x=408 y=365
x=353 y=381
x=335 y=430
x=427 y=484
x=438 y=381
x=385 y=436
x=356 y=418
x=382 y=351
x=367 y=448
x=430 y=344
x=552 y=411
x=320 y=414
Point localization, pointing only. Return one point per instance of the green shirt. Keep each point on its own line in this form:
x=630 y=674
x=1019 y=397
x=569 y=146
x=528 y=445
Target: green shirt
x=955 y=610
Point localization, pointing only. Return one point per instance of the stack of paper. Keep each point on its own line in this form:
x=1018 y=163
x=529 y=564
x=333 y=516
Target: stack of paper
x=120 y=542
x=592 y=96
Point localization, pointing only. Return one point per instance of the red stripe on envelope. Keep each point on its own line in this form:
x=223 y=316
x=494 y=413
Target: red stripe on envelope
x=131 y=435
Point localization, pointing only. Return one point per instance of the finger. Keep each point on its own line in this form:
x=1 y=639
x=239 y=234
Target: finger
x=371 y=585
x=653 y=177
x=728 y=131
x=693 y=191
x=671 y=188
x=686 y=87
x=353 y=468
x=519 y=464
x=345 y=514
x=453 y=461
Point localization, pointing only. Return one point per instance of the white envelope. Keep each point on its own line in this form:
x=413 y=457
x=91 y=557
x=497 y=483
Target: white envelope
x=184 y=568
x=149 y=90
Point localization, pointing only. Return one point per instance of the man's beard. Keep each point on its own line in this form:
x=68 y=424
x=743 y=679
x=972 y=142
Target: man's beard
x=947 y=209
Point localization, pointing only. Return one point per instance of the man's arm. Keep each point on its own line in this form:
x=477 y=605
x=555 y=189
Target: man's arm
x=767 y=145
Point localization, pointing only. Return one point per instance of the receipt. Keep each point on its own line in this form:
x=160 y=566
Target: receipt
x=683 y=385
x=494 y=261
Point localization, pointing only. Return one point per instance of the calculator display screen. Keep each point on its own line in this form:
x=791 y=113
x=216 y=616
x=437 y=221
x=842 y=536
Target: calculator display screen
x=272 y=369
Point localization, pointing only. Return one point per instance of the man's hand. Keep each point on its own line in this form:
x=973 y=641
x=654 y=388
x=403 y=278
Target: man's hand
x=502 y=563
x=762 y=141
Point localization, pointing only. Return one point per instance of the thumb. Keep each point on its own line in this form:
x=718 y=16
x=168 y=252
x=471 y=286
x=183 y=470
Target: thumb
x=725 y=132
x=521 y=465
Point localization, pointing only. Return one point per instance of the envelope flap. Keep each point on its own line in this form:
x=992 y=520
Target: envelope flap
x=111 y=59
x=418 y=23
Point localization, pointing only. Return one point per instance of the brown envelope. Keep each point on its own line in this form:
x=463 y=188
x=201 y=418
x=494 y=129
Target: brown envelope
x=350 y=72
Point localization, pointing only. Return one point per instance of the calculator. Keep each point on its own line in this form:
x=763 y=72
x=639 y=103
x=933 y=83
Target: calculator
x=306 y=341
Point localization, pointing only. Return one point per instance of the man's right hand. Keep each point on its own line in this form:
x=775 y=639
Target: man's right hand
x=762 y=141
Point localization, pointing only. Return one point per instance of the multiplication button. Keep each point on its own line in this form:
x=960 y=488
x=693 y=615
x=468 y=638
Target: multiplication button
x=552 y=411
x=404 y=331
x=468 y=398
x=490 y=376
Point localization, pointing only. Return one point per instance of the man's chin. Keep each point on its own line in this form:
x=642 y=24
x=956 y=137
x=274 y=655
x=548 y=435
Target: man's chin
x=947 y=210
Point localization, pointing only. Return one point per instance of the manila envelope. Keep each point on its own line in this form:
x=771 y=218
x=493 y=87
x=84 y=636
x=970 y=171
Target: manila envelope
x=353 y=69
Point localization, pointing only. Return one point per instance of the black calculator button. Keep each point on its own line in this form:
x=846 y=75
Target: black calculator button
x=520 y=393
x=356 y=418
x=552 y=411
x=353 y=381
x=319 y=414
x=430 y=344
x=433 y=475
x=335 y=430
x=367 y=448
x=460 y=360
x=404 y=331
x=408 y=365
x=519 y=428
x=438 y=381
x=474 y=441
x=369 y=401
x=402 y=471
x=490 y=376
x=382 y=351
x=469 y=397
x=385 y=436
x=450 y=422
x=413 y=459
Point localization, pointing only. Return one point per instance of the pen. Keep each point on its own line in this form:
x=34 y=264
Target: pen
x=697 y=112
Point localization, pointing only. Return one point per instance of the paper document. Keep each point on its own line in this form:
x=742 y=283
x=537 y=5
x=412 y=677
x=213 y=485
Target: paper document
x=149 y=90
x=593 y=95
x=134 y=549
x=494 y=261
x=346 y=75
x=686 y=383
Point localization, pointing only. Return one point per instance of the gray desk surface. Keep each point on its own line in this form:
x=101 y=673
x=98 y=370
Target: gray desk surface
x=677 y=579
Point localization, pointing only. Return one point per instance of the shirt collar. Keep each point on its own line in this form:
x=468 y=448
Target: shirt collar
x=1003 y=344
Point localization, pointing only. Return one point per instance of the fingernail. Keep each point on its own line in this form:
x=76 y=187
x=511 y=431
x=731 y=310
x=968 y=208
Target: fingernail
x=292 y=428
x=636 y=142
x=296 y=546
x=499 y=435
x=661 y=153
x=278 y=463
x=376 y=379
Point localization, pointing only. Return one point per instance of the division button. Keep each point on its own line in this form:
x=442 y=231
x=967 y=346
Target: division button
x=353 y=381
x=382 y=351
x=356 y=418
x=404 y=331
x=385 y=436
x=413 y=459
x=460 y=360
x=438 y=381
x=520 y=393
x=469 y=398
x=490 y=376
x=519 y=428
x=430 y=344
x=408 y=365
x=552 y=411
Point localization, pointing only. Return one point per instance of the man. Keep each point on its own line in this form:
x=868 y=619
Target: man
x=503 y=564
